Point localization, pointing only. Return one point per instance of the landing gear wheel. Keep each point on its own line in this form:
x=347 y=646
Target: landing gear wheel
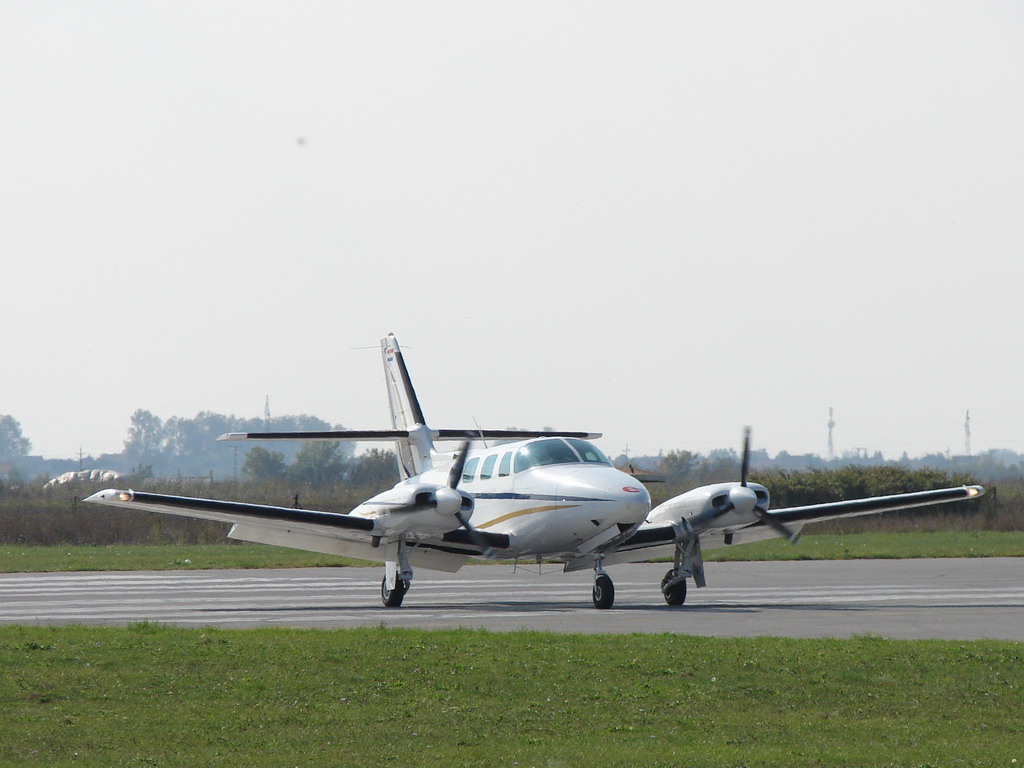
x=392 y=598
x=604 y=591
x=676 y=593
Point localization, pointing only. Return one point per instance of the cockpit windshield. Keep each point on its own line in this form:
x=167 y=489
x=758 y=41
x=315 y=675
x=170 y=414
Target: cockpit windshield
x=589 y=452
x=556 y=450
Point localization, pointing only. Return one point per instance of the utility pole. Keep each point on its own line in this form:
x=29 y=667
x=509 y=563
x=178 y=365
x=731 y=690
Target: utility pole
x=967 y=434
x=831 y=426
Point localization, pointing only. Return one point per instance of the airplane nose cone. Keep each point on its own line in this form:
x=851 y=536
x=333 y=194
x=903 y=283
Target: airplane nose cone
x=635 y=499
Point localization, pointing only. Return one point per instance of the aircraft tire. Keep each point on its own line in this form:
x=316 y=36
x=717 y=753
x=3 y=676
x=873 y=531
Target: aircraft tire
x=676 y=594
x=604 y=591
x=392 y=598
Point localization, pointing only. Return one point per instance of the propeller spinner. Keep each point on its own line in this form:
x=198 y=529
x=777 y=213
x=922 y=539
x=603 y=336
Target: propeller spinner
x=742 y=498
x=449 y=496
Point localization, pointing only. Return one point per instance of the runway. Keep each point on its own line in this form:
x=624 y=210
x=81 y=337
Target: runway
x=947 y=598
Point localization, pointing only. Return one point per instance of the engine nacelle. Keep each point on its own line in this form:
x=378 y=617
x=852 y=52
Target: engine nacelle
x=421 y=507
x=722 y=505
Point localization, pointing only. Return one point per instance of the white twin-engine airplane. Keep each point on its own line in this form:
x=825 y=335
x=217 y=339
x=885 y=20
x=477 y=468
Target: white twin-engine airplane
x=549 y=495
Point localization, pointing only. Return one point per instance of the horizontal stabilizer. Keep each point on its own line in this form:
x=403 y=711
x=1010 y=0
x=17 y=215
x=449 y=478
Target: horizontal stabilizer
x=385 y=435
x=510 y=434
x=351 y=435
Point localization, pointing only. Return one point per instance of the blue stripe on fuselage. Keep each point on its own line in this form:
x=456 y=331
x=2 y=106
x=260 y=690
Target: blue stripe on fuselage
x=533 y=496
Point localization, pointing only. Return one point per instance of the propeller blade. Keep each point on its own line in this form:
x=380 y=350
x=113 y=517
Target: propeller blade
x=745 y=461
x=474 y=534
x=778 y=525
x=455 y=473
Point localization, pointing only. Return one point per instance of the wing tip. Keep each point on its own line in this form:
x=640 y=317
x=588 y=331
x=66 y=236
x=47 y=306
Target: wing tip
x=110 y=496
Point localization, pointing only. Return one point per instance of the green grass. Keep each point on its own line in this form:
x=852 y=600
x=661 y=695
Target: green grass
x=154 y=695
x=23 y=559
x=879 y=545
x=140 y=557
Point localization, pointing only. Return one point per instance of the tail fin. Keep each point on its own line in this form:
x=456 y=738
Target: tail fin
x=406 y=414
x=414 y=440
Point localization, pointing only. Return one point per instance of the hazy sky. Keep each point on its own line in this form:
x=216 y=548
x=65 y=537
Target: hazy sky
x=659 y=220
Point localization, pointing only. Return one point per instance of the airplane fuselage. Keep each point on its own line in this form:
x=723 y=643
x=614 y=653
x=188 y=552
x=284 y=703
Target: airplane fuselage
x=569 y=507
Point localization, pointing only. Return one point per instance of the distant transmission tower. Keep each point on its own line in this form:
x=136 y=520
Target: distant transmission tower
x=266 y=412
x=967 y=434
x=831 y=426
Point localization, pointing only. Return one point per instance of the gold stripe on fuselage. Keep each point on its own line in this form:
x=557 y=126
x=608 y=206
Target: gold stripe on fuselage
x=521 y=512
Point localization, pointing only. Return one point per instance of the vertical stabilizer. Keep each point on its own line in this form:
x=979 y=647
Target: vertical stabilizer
x=406 y=413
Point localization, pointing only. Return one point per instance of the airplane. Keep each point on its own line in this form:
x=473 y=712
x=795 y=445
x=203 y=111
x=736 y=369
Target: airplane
x=543 y=495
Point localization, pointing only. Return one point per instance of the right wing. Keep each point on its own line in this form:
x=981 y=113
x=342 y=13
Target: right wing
x=311 y=530
x=233 y=511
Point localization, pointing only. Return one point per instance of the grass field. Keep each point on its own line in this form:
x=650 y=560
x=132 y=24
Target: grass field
x=150 y=695
x=15 y=558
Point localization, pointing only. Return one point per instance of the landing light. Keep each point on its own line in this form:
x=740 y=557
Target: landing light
x=125 y=496
x=972 y=491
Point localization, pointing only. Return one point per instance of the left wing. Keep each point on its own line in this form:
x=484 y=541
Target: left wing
x=814 y=513
x=770 y=524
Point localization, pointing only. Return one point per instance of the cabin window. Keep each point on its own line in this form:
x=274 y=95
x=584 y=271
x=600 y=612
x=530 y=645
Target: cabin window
x=470 y=470
x=544 y=452
x=487 y=470
x=505 y=467
x=589 y=452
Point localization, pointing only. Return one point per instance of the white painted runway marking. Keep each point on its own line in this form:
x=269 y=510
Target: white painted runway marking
x=965 y=604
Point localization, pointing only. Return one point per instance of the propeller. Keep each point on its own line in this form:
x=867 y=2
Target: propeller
x=454 y=475
x=450 y=493
x=745 y=461
x=737 y=495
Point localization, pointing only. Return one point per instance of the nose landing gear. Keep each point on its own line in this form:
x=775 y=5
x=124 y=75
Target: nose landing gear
x=604 y=590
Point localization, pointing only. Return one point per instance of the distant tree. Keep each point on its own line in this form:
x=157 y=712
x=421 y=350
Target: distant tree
x=12 y=443
x=146 y=437
x=677 y=466
x=377 y=468
x=318 y=463
x=261 y=464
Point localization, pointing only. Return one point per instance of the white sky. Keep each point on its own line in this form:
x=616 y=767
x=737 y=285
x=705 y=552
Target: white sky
x=659 y=220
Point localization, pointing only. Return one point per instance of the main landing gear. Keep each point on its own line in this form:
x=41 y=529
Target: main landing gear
x=689 y=563
x=397 y=575
x=392 y=598
x=673 y=587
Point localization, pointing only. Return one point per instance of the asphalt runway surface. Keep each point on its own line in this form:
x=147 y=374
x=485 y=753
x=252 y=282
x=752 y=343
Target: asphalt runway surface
x=943 y=598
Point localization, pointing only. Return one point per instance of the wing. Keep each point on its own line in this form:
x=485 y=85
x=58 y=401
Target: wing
x=871 y=506
x=233 y=511
x=307 y=529
x=758 y=528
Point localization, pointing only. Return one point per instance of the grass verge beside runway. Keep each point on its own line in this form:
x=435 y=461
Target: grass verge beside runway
x=31 y=559
x=154 y=695
x=165 y=557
